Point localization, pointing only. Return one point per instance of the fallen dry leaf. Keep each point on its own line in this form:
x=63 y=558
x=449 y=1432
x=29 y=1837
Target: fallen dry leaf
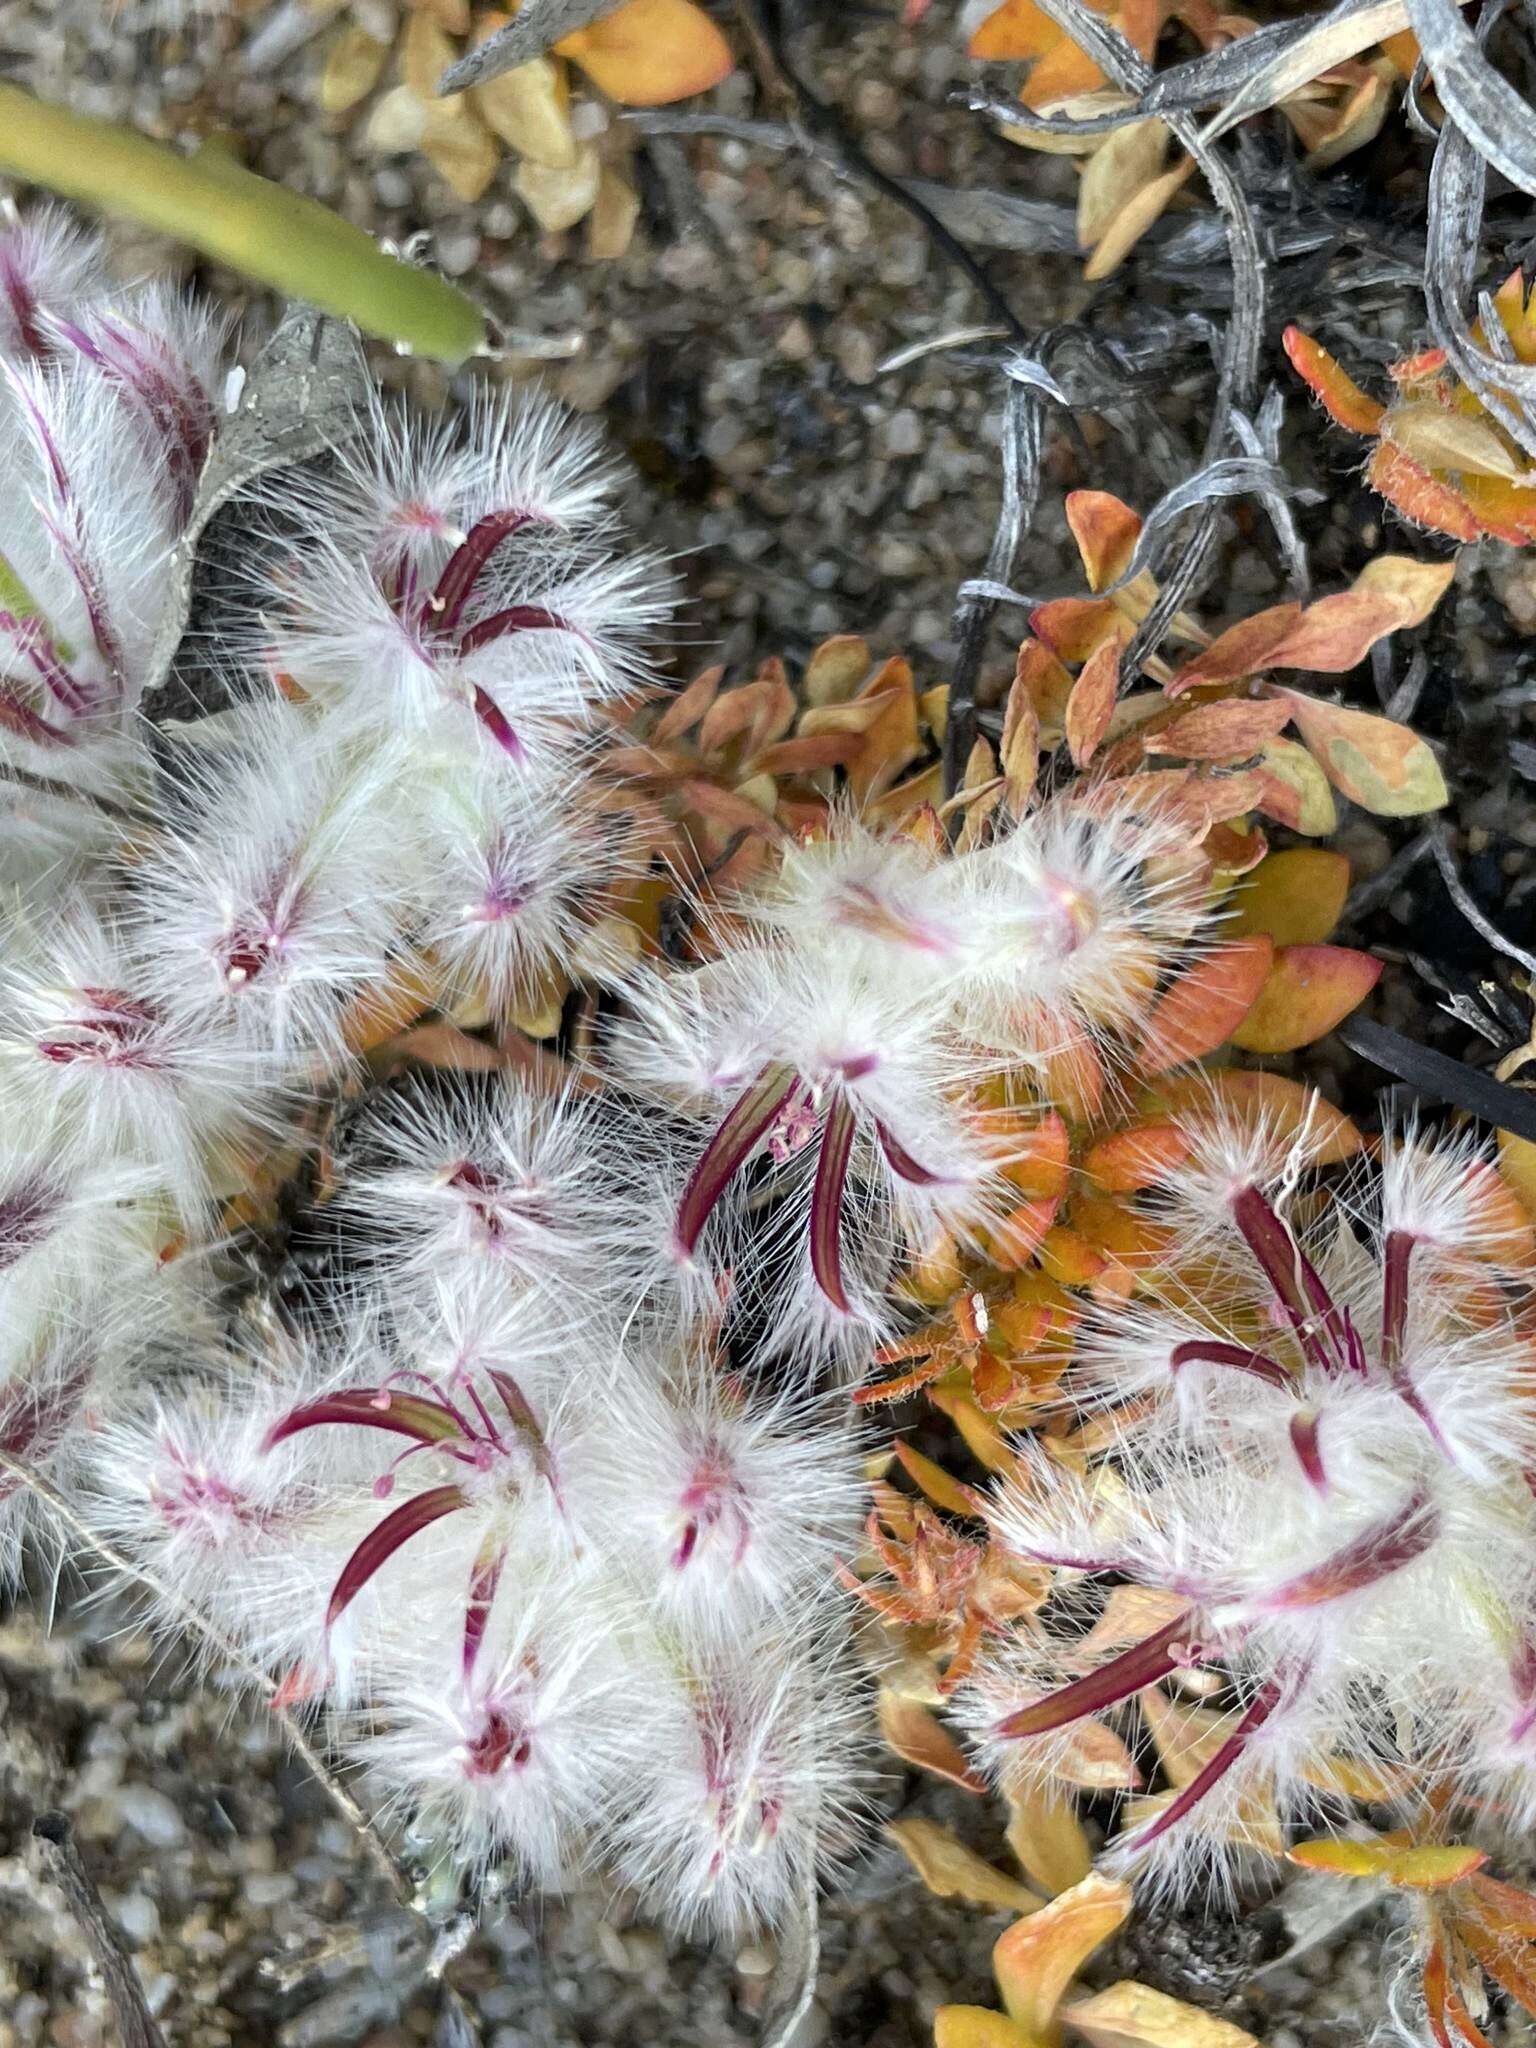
x=952 y=1871
x=1037 y=1959
x=1131 y=2015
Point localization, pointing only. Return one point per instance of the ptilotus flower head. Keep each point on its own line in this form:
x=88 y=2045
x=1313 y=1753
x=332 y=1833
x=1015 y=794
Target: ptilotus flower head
x=472 y=595
x=848 y=1088
x=751 y=1780
x=722 y=1503
x=516 y=874
x=106 y=419
x=502 y=1175
x=50 y=269
x=101 y=1071
x=270 y=900
x=513 y=1760
x=1322 y=1484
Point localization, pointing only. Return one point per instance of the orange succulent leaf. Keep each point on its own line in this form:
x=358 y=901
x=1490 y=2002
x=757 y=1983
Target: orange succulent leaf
x=1015 y=1238
x=688 y=706
x=1308 y=991
x=1225 y=731
x=1380 y=765
x=1426 y=499
x=1505 y=509
x=1045 y=680
x=1092 y=703
x=1130 y=1160
x=1205 y=1005
x=1106 y=531
x=1036 y=1960
x=1341 y=396
x=1047 y=1837
x=1018 y=31
x=1073 y=1075
x=943 y=1491
x=1072 y=627
x=1421 y=1866
x=918 y=1739
x=1039 y=1153
x=835 y=669
x=1336 y=633
x=1296 y=791
x=651 y=52
x=1234 y=849
x=1242 y=650
x=1255 y=1100
x=1294 y=898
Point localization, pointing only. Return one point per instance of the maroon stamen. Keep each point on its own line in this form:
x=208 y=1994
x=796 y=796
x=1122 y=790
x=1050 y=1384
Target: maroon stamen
x=1385 y=1547
x=496 y=723
x=1304 y=1442
x=381 y=1543
x=1143 y=1664
x=483 y=1581
x=1257 y=1712
x=1309 y=1307
x=727 y=1151
x=517 y=618
x=1214 y=1351
x=827 y=1204
x=1397 y=1253
x=430 y=1422
x=901 y=1162
x=463 y=568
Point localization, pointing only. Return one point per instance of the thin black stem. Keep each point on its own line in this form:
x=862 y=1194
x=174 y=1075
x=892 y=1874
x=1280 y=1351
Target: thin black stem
x=63 y=1865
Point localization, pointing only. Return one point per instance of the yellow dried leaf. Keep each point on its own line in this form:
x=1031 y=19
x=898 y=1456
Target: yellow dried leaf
x=1132 y=221
x=835 y=670
x=1131 y=2015
x=459 y=147
x=529 y=107
x=1517 y=1163
x=1295 y=898
x=1420 y=1866
x=353 y=66
x=1381 y=765
x=1036 y=1960
x=1449 y=441
x=396 y=123
x=951 y=1871
x=1125 y=160
x=918 y=1739
x=1317 y=814
x=611 y=223
x=1047 y=1837
x=558 y=199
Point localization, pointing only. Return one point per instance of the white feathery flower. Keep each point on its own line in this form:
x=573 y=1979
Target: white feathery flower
x=1331 y=1490
x=750 y=1781
x=513 y=1759
x=499 y=1173
x=271 y=900
x=1071 y=918
x=92 y=1065
x=512 y=877
x=475 y=602
x=717 y=1502
x=849 y=1087
x=50 y=268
